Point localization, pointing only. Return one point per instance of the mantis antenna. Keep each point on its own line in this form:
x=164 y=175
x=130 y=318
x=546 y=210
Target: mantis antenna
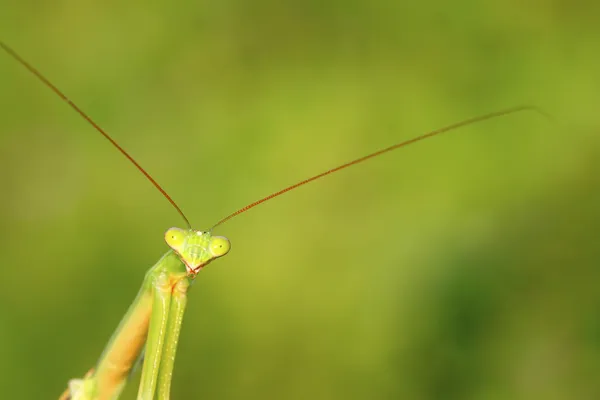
x=79 y=111
x=436 y=132
x=385 y=150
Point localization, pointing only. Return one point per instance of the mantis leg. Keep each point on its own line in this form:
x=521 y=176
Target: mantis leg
x=152 y=321
x=80 y=389
x=161 y=300
x=168 y=304
x=178 y=303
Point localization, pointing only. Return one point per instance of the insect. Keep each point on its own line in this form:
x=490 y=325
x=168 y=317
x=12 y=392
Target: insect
x=150 y=328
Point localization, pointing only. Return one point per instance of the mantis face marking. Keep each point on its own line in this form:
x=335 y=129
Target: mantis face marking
x=196 y=248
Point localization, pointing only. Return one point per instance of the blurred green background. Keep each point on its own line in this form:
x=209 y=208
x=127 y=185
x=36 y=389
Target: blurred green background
x=465 y=267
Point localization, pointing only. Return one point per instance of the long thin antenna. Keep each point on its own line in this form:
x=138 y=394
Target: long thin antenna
x=60 y=94
x=382 y=151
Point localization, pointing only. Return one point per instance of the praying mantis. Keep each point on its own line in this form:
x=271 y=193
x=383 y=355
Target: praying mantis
x=149 y=331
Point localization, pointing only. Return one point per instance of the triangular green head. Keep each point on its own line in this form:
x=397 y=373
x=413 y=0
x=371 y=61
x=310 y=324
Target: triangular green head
x=196 y=248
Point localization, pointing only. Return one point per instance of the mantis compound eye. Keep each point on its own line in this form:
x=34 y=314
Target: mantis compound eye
x=219 y=246
x=175 y=238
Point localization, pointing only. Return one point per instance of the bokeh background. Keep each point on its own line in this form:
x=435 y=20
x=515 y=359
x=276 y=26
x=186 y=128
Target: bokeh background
x=464 y=267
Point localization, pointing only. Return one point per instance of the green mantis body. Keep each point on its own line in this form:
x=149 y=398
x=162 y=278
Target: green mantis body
x=153 y=318
x=152 y=323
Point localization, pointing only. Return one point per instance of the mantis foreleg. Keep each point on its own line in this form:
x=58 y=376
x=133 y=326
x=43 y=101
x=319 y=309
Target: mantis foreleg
x=168 y=306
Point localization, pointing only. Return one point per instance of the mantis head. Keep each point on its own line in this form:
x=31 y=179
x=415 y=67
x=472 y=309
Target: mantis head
x=196 y=248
